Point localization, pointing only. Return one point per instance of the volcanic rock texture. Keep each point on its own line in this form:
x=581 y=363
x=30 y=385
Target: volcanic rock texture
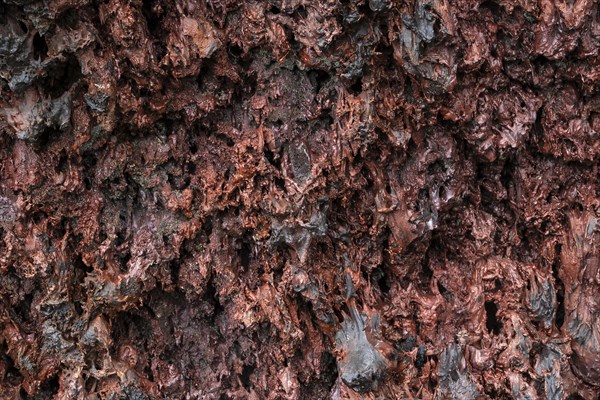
x=298 y=199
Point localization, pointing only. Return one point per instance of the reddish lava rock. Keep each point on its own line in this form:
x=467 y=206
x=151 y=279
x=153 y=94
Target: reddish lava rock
x=293 y=199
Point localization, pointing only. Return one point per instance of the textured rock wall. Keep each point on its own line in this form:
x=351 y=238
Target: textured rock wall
x=296 y=199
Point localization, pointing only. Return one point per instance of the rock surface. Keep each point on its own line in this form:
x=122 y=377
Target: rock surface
x=293 y=199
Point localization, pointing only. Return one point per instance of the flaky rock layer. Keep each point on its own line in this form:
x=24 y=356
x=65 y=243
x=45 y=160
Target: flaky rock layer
x=293 y=199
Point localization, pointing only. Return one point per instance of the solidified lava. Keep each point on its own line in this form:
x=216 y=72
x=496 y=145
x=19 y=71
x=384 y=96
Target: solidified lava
x=294 y=199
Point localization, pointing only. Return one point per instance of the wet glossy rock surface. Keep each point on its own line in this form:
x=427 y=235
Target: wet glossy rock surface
x=294 y=199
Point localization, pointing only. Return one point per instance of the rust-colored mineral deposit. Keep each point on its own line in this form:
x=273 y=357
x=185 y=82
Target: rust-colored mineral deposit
x=299 y=199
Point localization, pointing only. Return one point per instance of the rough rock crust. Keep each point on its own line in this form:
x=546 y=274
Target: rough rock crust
x=294 y=199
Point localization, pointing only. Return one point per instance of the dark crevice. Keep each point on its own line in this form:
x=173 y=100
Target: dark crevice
x=245 y=253
x=235 y=51
x=40 y=48
x=357 y=87
x=153 y=12
x=21 y=23
x=498 y=284
x=193 y=148
x=560 y=288
x=49 y=388
x=443 y=291
x=62 y=162
x=426 y=272
x=270 y=156
x=301 y=12
x=211 y=293
x=318 y=78
x=246 y=375
x=124 y=261
x=380 y=277
x=69 y=19
x=506 y=176
x=174 y=269
x=62 y=76
x=46 y=138
x=11 y=374
x=280 y=183
x=23 y=309
x=492 y=323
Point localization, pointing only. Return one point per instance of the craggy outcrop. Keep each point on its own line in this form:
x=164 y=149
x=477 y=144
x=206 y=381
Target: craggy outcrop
x=294 y=199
